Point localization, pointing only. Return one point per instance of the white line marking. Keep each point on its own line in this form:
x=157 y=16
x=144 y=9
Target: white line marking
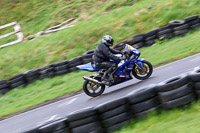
x=67 y=103
x=41 y=107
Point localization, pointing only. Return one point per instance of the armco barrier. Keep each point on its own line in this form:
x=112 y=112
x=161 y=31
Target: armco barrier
x=176 y=92
x=174 y=28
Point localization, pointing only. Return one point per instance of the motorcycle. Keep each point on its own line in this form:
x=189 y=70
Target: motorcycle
x=126 y=70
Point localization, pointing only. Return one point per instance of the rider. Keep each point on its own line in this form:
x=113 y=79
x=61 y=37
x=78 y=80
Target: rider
x=103 y=54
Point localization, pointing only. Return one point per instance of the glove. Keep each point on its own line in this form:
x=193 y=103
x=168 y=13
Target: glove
x=122 y=58
x=123 y=52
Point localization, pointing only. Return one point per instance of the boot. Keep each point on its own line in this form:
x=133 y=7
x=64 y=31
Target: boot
x=105 y=80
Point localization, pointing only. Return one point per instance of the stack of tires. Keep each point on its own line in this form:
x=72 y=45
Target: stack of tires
x=114 y=114
x=4 y=87
x=150 y=37
x=46 y=72
x=180 y=27
x=193 y=21
x=175 y=92
x=84 y=121
x=60 y=67
x=87 y=56
x=73 y=63
x=17 y=81
x=165 y=32
x=143 y=101
x=138 y=41
x=31 y=75
x=58 y=126
x=120 y=46
x=194 y=76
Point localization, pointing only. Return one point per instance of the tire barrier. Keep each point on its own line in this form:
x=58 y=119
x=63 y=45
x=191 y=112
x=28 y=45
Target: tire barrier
x=84 y=121
x=113 y=114
x=194 y=77
x=46 y=72
x=61 y=67
x=143 y=101
x=175 y=92
x=4 y=87
x=174 y=28
x=16 y=81
x=58 y=126
x=179 y=91
x=31 y=76
x=165 y=32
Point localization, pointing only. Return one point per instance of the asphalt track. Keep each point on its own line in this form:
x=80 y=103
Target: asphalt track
x=36 y=117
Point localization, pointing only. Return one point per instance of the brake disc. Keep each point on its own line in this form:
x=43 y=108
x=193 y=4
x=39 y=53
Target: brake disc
x=94 y=86
x=142 y=71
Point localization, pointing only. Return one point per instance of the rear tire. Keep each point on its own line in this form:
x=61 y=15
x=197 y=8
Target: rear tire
x=88 y=87
x=147 y=68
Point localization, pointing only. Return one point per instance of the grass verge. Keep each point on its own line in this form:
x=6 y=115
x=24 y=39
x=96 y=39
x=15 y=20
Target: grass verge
x=175 y=121
x=44 y=90
x=39 y=92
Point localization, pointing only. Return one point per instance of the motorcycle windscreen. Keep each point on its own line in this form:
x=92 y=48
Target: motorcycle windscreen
x=87 y=67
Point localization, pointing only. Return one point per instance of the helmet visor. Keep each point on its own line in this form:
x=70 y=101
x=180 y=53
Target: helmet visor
x=110 y=41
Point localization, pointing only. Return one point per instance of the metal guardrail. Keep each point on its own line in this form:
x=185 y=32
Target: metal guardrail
x=17 y=31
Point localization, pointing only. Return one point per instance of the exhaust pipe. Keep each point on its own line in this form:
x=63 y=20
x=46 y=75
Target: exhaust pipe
x=91 y=79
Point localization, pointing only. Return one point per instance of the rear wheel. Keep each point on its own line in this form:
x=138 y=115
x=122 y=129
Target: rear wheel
x=92 y=89
x=144 y=72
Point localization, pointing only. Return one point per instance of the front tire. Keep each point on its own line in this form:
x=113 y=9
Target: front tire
x=143 y=73
x=92 y=89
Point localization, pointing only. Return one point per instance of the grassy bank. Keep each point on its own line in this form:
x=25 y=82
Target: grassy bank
x=37 y=15
x=47 y=89
x=122 y=23
x=176 y=121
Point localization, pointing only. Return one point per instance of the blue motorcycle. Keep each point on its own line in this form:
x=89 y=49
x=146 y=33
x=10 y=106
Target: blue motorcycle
x=127 y=69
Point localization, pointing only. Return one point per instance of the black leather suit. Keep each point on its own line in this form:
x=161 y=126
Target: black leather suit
x=101 y=58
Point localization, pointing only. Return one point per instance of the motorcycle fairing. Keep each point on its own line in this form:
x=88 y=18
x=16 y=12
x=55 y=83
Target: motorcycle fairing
x=88 y=67
x=139 y=62
x=126 y=74
x=130 y=64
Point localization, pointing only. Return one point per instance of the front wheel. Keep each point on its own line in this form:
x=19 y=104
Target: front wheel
x=144 y=72
x=92 y=89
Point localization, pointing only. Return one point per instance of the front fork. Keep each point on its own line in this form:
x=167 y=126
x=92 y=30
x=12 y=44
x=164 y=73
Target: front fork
x=138 y=63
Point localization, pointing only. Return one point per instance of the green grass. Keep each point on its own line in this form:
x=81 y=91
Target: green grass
x=171 y=50
x=47 y=89
x=39 y=92
x=46 y=13
x=176 y=121
x=118 y=18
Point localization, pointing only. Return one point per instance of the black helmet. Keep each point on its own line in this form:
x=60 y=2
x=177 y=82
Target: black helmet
x=108 y=40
